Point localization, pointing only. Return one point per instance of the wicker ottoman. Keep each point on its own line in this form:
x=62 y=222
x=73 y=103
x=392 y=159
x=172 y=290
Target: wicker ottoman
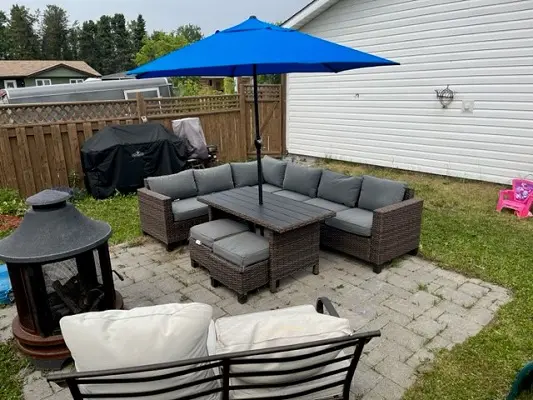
x=239 y=262
x=202 y=237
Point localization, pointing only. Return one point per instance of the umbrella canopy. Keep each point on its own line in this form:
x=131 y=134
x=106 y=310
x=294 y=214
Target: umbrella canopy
x=256 y=48
x=270 y=48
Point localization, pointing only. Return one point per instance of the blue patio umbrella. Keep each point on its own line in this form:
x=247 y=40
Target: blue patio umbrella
x=253 y=48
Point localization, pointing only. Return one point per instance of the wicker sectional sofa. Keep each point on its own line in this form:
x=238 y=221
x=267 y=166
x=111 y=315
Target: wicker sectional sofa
x=376 y=219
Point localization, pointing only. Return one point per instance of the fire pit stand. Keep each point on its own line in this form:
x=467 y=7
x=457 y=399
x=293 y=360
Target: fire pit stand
x=58 y=262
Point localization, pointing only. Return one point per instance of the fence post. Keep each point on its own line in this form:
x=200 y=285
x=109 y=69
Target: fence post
x=141 y=107
x=243 y=118
x=283 y=103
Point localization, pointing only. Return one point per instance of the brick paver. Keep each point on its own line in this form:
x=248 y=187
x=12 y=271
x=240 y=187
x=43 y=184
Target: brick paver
x=419 y=308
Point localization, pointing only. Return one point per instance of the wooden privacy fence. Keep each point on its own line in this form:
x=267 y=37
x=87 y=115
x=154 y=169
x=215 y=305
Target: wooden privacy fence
x=40 y=143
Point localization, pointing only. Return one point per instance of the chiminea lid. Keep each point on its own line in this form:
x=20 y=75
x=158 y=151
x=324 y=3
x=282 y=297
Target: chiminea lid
x=52 y=229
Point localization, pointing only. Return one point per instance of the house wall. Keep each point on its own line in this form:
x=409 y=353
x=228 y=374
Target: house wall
x=57 y=75
x=390 y=116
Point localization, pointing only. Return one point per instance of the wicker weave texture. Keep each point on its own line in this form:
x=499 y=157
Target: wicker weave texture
x=241 y=280
x=157 y=219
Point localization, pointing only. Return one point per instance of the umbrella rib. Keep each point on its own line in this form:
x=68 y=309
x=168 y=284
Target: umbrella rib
x=329 y=67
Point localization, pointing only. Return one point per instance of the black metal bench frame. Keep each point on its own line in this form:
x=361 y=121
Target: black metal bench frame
x=224 y=362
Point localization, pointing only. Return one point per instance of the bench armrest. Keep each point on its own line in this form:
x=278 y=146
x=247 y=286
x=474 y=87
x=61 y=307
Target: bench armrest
x=324 y=302
x=156 y=196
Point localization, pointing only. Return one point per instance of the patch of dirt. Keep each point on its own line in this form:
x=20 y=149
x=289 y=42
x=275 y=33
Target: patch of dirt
x=8 y=222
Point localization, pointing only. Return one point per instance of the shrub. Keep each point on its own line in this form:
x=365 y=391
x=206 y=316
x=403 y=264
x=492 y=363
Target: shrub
x=11 y=203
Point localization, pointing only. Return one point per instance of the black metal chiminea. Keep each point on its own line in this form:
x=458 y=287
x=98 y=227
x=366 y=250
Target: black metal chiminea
x=58 y=262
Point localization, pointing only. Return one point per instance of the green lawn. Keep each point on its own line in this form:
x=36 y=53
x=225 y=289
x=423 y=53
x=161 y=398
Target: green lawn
x=461 y=231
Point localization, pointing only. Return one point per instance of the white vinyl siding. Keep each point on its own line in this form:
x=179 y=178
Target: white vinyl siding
x=390 y=116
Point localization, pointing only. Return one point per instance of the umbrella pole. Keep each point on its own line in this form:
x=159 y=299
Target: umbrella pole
x=258 y=142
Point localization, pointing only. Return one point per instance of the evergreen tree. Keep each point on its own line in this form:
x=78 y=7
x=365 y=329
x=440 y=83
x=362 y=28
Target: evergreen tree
x=105 y=48
x=73 y=41
x=138 y=34
x=88 y=45
x=122 y=44
x=191 y=33
x=54 y=33
x=22 y=39
x=4 y=40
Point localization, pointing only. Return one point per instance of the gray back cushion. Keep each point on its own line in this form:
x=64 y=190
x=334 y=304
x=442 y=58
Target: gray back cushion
x=273 y=171
x=214 y=179
x=340 y=188
x=175 y=186
x=377 y=193
x=301 y=179
x=244 y=174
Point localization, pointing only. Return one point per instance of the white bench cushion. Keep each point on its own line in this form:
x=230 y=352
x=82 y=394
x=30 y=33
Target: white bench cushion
x=141 y=336
x=269 y=329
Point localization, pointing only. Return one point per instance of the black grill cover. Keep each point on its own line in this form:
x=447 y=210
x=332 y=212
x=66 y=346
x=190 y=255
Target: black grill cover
x=119 y=157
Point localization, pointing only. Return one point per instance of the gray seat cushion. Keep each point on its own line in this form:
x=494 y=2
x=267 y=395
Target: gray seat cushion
x=214 y=179
x=340 y=188
x=293 y=195
x=267 y=187
x=188 y=208
x=377 y=193
x=353 y=220
x=244 y=174
x=176 y=186
x=209 y=232
x=328 y=205
x=273 y=170
x=242 y=249
x=301 y=179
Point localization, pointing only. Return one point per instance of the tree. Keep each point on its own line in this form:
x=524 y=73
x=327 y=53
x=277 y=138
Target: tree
x=73 y=42
x=191 y=33
x=159 y=44
x=54 y=33
x=87 y=44
x=22 y=39
x=122 y=44
x=105 y=48
x=4 y=40
x=138 y=33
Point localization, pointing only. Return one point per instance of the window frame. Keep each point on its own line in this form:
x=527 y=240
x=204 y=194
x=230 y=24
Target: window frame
x=126 y=92
x=43 y=80
x=13 y=81
x=75 y=81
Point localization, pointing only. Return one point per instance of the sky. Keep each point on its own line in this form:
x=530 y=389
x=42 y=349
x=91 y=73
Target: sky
x=167 y=15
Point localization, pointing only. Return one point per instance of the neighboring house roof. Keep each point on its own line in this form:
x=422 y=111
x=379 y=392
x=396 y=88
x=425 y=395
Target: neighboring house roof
x=118 y=75
x=308 y=13
x=26 y=68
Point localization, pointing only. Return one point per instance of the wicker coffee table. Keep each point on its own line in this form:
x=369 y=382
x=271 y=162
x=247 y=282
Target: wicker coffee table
x=291 y=227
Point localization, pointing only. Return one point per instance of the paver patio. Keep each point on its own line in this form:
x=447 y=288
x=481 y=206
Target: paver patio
x=418 y=307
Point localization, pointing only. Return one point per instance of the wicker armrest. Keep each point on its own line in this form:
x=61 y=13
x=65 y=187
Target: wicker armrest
x=398 y=215
x=156 y=204
x=324 y=302
x=155 y=195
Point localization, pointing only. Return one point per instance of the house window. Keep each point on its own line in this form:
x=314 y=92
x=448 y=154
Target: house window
x=10 y=84
x=76 y=81
x=210 y=82
x=43 y=82
x=148 y=93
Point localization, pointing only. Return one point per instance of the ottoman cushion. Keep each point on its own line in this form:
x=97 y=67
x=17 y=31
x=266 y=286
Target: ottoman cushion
x=242 y=249
x=209 y=232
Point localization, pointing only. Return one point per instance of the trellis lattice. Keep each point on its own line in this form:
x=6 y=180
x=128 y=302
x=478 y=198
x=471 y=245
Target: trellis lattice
x=185 y=105
x=61 y=112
